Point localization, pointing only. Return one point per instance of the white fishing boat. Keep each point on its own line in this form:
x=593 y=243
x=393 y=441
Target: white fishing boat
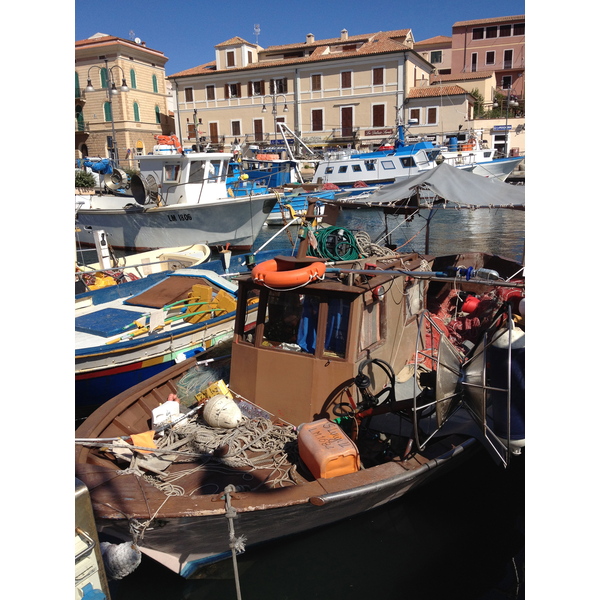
x=178 y=198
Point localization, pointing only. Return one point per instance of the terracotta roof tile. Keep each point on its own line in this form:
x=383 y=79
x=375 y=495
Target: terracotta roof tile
x=461 y=77
x=351 y=39
x=435 y=91
x=438 y=39
x=233 y=41
x=484 y=21
x=376 y=46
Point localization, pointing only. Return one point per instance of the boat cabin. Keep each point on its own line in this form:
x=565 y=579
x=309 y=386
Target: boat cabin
x=300 y=358
x=175 y=179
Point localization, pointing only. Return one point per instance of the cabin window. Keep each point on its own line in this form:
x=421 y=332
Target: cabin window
x=214 y=170
x=172 y=172
x=196 y=171
x=328 y=170
x=291 y=323
x=408 y=161
x=343 y=169
x=356 y=168
x=370 y=331
x=370 y=165
x=387 y=164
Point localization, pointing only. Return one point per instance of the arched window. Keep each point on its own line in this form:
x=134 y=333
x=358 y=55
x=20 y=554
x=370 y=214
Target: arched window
x=136 y=112
x=132 y=79
x=79 y=117
x=107 y=112
x=155 y=84
x=104 y=77
x=157 y=114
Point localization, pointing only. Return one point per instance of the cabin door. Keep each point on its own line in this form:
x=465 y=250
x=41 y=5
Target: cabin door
x=347 y=118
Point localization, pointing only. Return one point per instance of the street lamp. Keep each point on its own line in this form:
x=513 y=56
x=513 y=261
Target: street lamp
x=274 y=109
x=509 y=102
x=111 y=90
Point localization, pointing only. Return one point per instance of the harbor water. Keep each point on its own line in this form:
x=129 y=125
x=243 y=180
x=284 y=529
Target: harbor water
x=460 y=537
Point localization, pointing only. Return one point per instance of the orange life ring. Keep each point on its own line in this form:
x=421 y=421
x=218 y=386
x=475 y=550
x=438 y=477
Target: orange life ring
x=275 y=274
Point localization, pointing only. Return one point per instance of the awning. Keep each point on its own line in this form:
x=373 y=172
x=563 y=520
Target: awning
x=447 y=185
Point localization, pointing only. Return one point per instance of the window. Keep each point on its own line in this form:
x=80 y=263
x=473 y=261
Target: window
x=233 y=90
x=415 y=113
x=508 y=59
x=79 y=117
x=77 y=88
x=191 y=131
x=387 y=165
x=231 y=58
x=505 y=30
x=328 y=170
x=278 y=86
x=491 y=32
x=432 y=115
x=103 y=77
x=249 y=57
x=189 y=94
x=154 y=84
x=356 y=168
x=343 y=169
x=346 y=79
x=519 y=29
x=478 y=33
x=507 y=82
x=315 y=82
x=214 y=168
x=236 y=128
x=132 y=79
x=378 y=76
x=490 y=57
x=370 y=331
x=378 y=115
x=107 y=112
x=172 y=172
x=408 y=162
x=317 y=119
x=136 y=112
x=256 y=88
x=370 y=165
x=210 y=92
x=436 y=57
x=473 y=62
x=157 y=114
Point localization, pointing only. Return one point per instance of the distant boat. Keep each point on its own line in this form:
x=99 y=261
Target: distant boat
x=177 y=199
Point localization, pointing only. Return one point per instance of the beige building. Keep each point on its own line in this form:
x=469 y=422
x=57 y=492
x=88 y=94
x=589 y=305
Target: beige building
x=349 y=90
x=112 y=122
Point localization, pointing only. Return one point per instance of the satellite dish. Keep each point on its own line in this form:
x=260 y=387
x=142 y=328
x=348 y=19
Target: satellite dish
x=137 y=40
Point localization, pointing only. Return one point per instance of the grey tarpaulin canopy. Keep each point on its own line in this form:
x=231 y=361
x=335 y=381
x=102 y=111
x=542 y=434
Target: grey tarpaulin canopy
x=445 y=184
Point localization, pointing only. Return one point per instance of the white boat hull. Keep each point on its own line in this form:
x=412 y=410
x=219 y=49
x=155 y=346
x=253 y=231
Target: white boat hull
x=236 y=221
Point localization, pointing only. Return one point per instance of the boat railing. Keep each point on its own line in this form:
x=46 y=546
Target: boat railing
x=80 y=274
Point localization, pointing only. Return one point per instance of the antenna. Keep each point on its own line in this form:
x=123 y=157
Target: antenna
x=257 y=32
x=131 y=34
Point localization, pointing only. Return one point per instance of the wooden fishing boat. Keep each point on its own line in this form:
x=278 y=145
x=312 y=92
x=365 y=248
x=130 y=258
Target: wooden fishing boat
x=353 y=385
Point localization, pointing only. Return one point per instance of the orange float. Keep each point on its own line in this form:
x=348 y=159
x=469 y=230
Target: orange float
x=281 y=273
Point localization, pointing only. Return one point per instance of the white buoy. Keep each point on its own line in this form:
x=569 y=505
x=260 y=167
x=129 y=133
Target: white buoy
x=120 y=560
x=222 y=411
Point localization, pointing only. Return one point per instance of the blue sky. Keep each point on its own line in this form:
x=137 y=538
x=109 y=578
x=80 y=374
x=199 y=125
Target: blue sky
x=186 y=31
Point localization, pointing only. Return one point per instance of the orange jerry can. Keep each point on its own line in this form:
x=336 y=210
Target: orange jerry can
x=326 y=450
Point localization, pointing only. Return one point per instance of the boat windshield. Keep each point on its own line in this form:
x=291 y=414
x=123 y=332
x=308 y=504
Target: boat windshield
x=291 y=322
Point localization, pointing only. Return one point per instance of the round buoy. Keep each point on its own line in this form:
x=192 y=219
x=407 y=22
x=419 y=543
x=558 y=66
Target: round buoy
x=120 y=560
x=222 y=411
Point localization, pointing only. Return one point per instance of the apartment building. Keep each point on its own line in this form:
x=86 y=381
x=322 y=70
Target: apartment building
x=121 y=98
x=344 y=91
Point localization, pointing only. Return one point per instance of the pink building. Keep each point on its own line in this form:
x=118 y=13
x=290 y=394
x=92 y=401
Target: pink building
x=493 y=45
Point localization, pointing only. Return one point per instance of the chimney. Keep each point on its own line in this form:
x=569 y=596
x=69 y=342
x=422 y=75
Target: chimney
x=344 y=35
x=310 y=38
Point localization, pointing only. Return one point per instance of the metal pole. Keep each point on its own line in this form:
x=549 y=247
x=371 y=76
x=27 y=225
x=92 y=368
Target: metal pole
x=109 y=82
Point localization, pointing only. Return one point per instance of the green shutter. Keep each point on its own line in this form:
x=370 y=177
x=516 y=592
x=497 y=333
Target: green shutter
x=107 y=111
x=132 y=78
x=155 y=84
x=136 y=112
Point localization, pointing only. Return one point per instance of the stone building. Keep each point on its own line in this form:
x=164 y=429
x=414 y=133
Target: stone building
x=111 y=122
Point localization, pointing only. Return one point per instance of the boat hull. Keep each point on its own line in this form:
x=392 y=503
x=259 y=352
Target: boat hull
x=236 y=221
x=499 y=169
x=187 y=544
